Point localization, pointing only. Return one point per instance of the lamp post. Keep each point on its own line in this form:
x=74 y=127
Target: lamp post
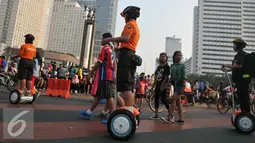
x=86 y=56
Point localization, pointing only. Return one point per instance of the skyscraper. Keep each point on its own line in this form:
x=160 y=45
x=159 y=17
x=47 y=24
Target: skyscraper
x=172 y=44
x=67 y=24
x=216 y=23
x=20 y=17
x=105 y=18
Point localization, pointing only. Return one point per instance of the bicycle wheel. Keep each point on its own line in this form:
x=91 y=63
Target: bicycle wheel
x=147 y=97
x=149 y=94
x=223 y=105
x=211 y=103
x=12 y=83
x=152 y=104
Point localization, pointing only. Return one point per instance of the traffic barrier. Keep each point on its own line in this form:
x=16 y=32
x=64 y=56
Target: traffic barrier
x=58 y=87
x=55 y=88
x=64 y=88
x=49 y=87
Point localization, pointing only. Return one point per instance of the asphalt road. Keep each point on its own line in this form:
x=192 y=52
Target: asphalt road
x=56 y=120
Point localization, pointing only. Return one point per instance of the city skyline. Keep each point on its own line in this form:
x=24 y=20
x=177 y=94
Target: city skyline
x=216 y=24
x=15 y=17
x=67 y=26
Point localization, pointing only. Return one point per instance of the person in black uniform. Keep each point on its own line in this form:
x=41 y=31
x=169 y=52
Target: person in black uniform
x=241 y=81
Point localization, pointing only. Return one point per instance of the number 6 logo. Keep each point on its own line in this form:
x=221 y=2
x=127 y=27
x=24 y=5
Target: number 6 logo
x=14 y=122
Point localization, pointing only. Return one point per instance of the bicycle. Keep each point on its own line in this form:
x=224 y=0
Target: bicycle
x=212 y=99
x=162 y=106
x=148 y=94
x=8 y=81
x=226 y=103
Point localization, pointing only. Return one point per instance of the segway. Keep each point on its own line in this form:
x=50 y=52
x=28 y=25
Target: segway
x=122 y=123
x=16 y=97
x=242 y=121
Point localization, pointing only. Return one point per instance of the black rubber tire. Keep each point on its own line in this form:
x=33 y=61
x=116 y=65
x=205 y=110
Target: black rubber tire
x=19 y=96
x=132 y=119
x=219 y=102
x=211 y=103
x=247 y=115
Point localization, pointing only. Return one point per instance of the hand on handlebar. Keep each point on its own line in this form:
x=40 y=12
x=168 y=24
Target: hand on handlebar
x=224 y=68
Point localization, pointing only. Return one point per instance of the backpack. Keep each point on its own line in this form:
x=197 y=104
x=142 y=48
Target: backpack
x=249 y=65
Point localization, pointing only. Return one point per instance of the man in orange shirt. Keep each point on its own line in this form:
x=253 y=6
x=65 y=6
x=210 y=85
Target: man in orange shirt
x=126 y=67
x=27 y=53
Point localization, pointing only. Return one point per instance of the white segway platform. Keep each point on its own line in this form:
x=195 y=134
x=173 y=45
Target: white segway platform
x=15 y=97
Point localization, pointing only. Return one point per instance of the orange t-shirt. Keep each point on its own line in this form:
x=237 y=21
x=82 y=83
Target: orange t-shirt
x=131 y=28
x=27 y=51
x=142 y=86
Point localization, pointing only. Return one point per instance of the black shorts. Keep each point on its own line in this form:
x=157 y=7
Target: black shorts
x=139 y=95
x=25 y=69
x=125 y=70
x=106 y=89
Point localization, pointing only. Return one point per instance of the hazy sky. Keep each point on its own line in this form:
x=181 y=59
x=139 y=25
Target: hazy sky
x=160 y=19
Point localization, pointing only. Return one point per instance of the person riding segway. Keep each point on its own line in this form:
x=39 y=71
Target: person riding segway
x=122 y=122
x=27 y=53
x=242 y=70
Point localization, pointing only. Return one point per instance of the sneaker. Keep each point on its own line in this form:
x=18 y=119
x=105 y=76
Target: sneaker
x=167 y=120
x=103 y=114
x=172 y=120
x=179 y=122
x=84 y=114
x=156 y=117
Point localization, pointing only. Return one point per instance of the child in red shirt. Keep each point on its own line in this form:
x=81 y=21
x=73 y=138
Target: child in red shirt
x=140 y=94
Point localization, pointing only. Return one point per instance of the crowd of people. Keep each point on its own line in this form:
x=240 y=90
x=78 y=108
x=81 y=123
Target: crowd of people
x=80 y=80
x=104 y=77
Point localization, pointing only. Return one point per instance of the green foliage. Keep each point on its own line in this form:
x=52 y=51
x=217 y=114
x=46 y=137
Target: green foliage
x=8 y=51
x=212 y=79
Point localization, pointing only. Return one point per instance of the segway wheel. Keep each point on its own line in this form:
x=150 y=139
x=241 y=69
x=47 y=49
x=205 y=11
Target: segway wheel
x=245 y=123
x=232 y=120
x=14 y=96
x=121 y=124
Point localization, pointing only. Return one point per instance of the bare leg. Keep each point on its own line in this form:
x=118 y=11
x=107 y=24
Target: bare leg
x=128 y=97
x=29 y=85
x=120 y=101
x=110 y=103
x=173 y=105
x=18 y=84
x=95 y=103
x=141 y=103
x=22 y=85
x=179 y=108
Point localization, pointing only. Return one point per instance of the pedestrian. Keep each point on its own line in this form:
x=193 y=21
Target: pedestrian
x=178 y=78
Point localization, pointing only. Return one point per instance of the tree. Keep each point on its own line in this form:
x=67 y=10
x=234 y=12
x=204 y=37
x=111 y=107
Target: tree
x=9 y=51
x=213 y=79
